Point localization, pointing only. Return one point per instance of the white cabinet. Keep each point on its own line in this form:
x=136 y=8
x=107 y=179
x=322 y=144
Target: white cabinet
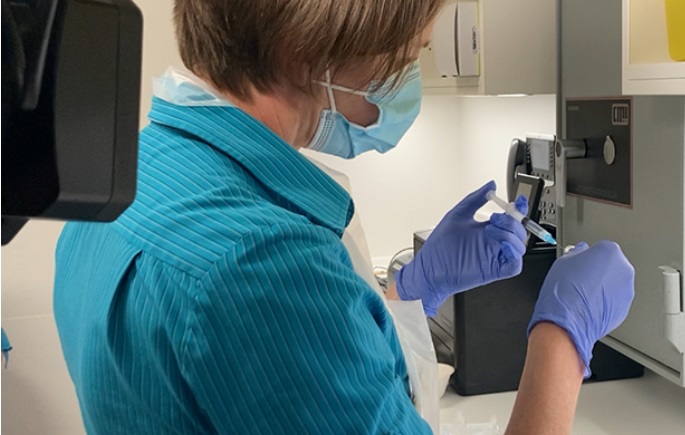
x=516 y=44
x=648 y=64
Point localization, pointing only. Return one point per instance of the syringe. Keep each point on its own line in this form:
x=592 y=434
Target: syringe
x=528 y=224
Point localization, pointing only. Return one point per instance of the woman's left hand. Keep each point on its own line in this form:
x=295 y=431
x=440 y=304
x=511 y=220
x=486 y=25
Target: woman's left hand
x=462 y=254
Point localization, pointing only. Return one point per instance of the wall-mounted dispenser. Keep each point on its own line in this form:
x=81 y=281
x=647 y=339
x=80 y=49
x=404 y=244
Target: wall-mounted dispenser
x=479 y=47
x=456 y=40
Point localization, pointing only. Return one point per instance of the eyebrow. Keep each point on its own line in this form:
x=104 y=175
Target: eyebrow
x=426 y=44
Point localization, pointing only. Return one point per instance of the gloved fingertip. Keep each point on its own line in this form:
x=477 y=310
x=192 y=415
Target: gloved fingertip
x=495 y=218
x=490 y=185
x=521 y=204
x=510 y=269
x=510 y=252
x=576 y=249
x=468 y=206
x=582 y=246
x=483 y=190
x=430 y=311
x=503 y=222
x=406 y=292
x=608 y=245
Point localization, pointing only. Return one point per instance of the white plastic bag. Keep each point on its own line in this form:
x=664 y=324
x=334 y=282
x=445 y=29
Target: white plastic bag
x=419 y=354
x=460 y=427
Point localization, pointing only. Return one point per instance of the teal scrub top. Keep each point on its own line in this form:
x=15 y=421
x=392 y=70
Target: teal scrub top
x=223 y=301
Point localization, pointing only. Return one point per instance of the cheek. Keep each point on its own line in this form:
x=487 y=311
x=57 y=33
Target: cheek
x=368 y=113
x=356 y=109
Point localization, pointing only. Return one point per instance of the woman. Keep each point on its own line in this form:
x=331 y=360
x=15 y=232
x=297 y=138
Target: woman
x=226 y=299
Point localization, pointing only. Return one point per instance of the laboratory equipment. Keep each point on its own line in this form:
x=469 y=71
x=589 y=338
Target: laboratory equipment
x=534 y=157
x=529 y=224
x=629 y=186
x=482 y=332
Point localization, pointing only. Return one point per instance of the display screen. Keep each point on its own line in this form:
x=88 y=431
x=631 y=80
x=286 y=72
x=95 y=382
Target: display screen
x=524 y=189
x=539 y=154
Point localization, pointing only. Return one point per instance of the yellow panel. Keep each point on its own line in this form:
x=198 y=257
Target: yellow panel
x=675 y=18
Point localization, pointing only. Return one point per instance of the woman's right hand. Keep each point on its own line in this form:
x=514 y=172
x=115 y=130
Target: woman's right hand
x=588 y=293
x=462 y=254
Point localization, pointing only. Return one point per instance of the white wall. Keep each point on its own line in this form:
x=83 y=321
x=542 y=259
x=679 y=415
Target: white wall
x=37 y=394
x=455 y=146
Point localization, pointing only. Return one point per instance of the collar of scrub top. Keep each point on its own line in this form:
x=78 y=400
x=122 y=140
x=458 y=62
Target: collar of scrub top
x=276 y=164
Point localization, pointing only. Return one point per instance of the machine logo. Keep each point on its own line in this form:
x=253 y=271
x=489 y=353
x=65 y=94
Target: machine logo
x=620 y=114
x=474 y=40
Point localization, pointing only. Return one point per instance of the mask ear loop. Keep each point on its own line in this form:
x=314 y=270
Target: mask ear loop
x=329 y=89
x=349 y=90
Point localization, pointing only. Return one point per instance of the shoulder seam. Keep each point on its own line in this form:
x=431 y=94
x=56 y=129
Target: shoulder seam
x=270 y=228
x=199 y=283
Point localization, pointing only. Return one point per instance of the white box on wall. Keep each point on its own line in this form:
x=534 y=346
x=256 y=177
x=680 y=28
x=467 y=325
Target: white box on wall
x=456 y=43
x=515 y=43
x=468 y=39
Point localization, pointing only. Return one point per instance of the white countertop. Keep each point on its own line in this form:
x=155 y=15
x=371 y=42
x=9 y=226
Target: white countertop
x=649 y=405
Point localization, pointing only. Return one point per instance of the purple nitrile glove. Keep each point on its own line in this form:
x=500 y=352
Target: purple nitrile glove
x=462 y=254
x=588 y=293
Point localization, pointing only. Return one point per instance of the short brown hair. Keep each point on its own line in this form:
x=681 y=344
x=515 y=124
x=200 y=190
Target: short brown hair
x=240 y=44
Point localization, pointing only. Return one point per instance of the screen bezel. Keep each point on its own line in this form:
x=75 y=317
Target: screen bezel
x=536 y=185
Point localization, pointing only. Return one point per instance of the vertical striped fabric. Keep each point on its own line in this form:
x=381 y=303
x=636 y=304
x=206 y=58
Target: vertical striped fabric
x=223 y=300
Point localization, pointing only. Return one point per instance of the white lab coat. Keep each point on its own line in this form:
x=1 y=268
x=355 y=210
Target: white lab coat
x=410 y=321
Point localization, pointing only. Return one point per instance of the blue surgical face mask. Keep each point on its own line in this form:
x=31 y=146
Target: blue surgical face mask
x=397 y=111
